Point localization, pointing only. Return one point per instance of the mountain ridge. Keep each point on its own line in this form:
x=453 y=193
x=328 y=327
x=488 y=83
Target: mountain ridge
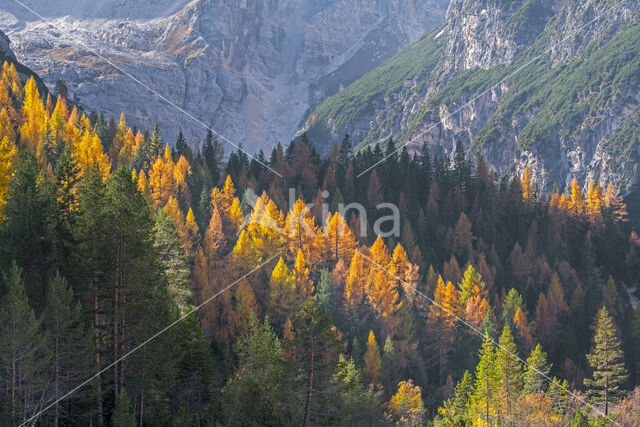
x=248 y=69
x=503 y=121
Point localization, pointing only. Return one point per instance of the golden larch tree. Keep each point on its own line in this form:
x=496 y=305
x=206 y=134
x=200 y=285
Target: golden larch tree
x=301 y=233
x=576 y=202
x=372 y=360
x=304 y=285
x=7 y=158
x=338 y=239
x=214 y=238
x=33 y=116
x=356 y=282
x=404 y=271
x=192 y=233
x=282 y=296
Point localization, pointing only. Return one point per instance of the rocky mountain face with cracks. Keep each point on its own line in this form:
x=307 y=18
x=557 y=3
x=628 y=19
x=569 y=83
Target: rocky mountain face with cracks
x=247 y=68
x=549 y=84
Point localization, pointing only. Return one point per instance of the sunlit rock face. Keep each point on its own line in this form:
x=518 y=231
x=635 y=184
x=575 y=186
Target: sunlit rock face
x=250 y=69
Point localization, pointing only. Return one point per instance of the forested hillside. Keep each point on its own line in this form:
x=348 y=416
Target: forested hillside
x=145 y=283
x=547 y=84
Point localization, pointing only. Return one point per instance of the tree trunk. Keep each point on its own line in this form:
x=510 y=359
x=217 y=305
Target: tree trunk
x=307 y=410
x=96 y=350
x=56 y=416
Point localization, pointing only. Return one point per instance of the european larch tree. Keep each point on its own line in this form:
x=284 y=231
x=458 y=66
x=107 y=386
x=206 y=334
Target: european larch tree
x=406 y=406
x=301 y=233
x=339 y=242
x=7 y=158
x=372 y=361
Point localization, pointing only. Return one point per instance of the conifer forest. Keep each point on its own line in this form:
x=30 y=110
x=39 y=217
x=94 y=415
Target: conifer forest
x=149 y=280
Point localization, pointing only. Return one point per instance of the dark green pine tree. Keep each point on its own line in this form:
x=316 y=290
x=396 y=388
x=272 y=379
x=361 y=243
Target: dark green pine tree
x=345 y=154
x=23 y=355
x=213 y=154
x=607 y=361
x=26 y=235
x=455 y=408
x=181 y=146
x=512 y=302
x=156 y=145
x=355 y=404
x=390 y=369
x=509 y=369
x=191 y=386
x=122 y=414
x=67 y=174
x=176 y=265
x=316 y=348
x=142 y=160
x=324 y=291
x=536 y=374
x=138 y=304
x=487 y=382
x=71 y=352
x=254 y=394
x=90 y=278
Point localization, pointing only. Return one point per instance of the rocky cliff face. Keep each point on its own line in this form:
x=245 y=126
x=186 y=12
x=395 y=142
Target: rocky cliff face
x=548 y=84
x=247 y=68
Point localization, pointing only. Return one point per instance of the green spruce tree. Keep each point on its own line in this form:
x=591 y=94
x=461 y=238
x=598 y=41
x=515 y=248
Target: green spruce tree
x=607 y=361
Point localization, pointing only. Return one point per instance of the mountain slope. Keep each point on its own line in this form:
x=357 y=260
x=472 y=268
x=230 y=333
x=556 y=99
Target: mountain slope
x=550 y=84
x=250 y=69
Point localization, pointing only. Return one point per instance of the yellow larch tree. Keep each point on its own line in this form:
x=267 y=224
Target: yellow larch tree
x=192 y=231
x=282 y=295
x=173 y=211
x=7 y=158
x=406 y=406
x=338 y=242
x=11 y=93
x=594 y=202
x=615 y=204
x=576 y=202
x=143 y=185
x=58 y=121
x=379 y=253
x=6 y=127
x=33 y=116
x=229 y=207
x=404 y=271
x=527 y=186
x=72 y=133
x=301 y=233
x=88 y=152
x=214 y=238
x=372 y=360
x=383 y=293
x=181 y=170
x=441 y=320
x=304 y=285
x=356 y=282
x=383 y=288
x=161 y=181
x=119 y=138
x=446 y=305
x=265 y=227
